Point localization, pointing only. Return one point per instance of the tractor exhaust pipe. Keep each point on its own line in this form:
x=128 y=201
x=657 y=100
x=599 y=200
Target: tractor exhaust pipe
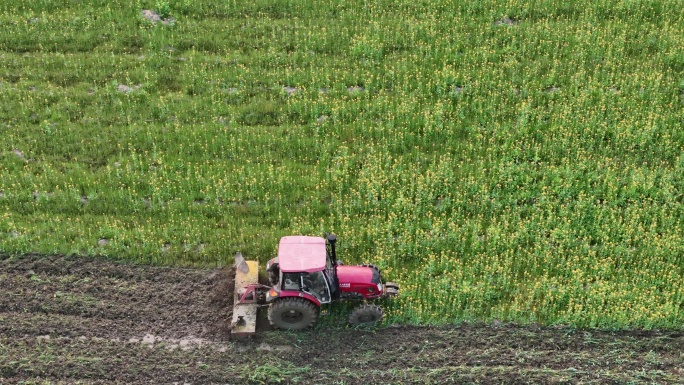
x=332 y=239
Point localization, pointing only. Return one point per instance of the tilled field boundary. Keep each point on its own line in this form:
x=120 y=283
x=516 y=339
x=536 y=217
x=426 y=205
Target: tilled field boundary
x=74 y=320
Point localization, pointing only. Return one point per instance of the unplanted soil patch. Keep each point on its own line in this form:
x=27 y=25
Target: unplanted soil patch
x=94 y=297
x=92 y=321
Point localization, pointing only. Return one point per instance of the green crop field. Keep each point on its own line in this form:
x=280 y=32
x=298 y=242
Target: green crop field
x=511 y=160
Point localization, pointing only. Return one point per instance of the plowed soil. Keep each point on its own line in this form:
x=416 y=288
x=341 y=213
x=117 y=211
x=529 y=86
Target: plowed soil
x=74 y=320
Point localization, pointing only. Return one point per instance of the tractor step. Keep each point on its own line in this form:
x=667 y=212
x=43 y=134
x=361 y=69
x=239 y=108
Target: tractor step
x=245 y=312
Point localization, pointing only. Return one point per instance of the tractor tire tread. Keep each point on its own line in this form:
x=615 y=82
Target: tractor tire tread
x=366 y=314
x=306 y=307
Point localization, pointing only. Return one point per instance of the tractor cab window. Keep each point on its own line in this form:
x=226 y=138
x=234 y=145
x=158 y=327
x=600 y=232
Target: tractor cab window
x=291 y=281
x=316 y=285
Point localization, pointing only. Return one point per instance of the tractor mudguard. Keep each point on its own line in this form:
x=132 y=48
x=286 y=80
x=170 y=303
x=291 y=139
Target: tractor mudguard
x=291 y=293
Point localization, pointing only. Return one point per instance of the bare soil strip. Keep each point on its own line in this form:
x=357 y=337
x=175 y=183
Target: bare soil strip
x=75 y=320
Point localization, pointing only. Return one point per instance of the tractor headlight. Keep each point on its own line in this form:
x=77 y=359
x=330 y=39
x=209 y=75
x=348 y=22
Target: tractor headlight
x=380 y=287
x=272 y=294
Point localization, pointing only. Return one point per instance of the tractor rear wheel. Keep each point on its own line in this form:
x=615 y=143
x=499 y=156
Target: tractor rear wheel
x=366 y=314
x=292 y=313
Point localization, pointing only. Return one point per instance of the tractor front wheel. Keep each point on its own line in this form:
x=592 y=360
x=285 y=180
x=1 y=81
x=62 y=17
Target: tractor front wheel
x=366 y=314
x=292 y=313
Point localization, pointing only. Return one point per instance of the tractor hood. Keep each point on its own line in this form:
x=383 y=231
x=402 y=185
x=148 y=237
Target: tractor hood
x=355 y=275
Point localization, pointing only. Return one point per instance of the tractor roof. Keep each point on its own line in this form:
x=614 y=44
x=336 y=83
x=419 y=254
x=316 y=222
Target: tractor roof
x=301 y=253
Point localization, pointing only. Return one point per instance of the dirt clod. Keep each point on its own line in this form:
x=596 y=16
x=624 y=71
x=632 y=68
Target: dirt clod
x=150 y=15
x=19 y=154
x=506 y=21
x=125 y=89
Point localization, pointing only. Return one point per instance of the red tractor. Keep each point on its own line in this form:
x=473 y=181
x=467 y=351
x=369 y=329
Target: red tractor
x=305 y=275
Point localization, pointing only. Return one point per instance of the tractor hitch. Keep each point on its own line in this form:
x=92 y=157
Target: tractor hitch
x=252 y=293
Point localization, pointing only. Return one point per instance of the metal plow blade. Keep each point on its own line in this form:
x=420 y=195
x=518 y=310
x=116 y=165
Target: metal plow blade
x=244 y=299
x=240 y=263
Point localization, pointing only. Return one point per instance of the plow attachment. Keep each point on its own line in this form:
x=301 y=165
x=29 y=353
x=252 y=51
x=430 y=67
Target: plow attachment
x=245 y=298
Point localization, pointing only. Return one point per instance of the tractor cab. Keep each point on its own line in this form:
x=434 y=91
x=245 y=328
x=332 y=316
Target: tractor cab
x=304 y=266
